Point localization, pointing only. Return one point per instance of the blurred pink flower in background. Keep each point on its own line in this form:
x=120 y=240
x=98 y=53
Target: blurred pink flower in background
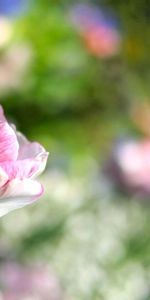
x=20 y=163
x=134 y=161
x=19 y=282
x=98 y=30
x=129 y=166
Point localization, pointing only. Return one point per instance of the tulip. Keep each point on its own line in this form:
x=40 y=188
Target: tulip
x=20 y=163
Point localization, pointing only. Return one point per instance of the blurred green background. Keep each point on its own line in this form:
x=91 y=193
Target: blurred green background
x=76 y=102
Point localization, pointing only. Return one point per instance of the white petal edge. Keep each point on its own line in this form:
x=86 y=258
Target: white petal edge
x=43 y=160
x=19 y=193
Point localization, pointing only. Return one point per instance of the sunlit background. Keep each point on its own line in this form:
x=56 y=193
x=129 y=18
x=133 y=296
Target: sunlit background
x=75 y=76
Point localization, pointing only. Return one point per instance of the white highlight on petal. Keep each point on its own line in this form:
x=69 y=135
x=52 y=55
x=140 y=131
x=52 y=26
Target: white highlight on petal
x=19 y=193
x=42 y=158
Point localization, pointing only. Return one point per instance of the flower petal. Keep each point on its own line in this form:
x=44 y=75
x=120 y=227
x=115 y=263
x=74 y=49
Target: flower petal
x=28 y=149
x=3 y=177
x=33 y=156
x=9 y=146
x=33 y=151
x=41 y=161
x=36 y=154
x=24 y=168
x=18 y=193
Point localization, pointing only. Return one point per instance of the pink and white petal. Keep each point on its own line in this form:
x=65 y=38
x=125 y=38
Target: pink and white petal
x=25 y=168
x=19 y=193
x=27 y=149
x=41 y=161
x=9 y=146
x=30 y=150
x=20 y=169
x=3 y=177
x=22 y=140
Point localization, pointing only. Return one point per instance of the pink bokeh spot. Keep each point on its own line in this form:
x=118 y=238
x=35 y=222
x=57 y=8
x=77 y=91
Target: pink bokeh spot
x=102 y=41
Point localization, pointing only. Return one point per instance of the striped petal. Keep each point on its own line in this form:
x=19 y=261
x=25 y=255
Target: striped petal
x=9 y=145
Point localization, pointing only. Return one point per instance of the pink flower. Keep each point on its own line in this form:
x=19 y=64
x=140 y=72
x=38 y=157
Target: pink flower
x=20 y=163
